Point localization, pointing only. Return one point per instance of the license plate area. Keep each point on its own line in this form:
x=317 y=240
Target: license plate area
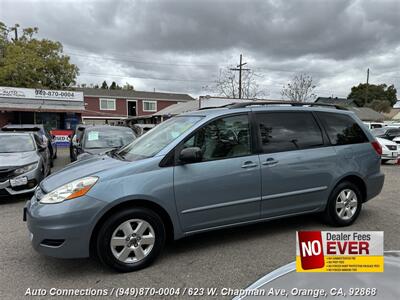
x=18 y=181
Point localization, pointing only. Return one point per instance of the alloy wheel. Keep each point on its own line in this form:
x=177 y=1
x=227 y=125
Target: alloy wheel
x=132 y=241
x=346 y=204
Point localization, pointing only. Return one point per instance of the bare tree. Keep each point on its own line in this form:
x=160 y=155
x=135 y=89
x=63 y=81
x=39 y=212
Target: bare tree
x=227 y=84
x=299 y=89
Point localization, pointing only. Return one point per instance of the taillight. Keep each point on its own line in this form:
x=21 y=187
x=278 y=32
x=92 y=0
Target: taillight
x=377 y=147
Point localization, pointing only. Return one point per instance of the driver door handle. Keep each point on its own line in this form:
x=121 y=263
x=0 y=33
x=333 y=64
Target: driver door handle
x=270 y=161
x=249 y=164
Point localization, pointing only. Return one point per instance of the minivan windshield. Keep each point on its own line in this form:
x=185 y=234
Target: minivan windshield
x=16 y=143
x=159 y=137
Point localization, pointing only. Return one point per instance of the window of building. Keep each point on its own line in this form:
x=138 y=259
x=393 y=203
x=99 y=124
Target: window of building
x=150 y=106
x=282 y=131
x=224 y=138
x=107 y=104
x=342 y=129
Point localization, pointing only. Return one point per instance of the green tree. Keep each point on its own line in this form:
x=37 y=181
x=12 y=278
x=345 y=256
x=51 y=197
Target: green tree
x=113 y=86
x=104 y=85
x=380 y=105
x=128 y=87
x=376 y=93
x=3 y=40
x=30 y=62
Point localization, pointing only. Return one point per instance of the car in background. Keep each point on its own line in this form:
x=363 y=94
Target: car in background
x=373 y=125
x=141 y=129
x=287 y=279
x=39 y=129
x=101 y=139
x=390 y=149
x=75 y=140
x=388 y=132
x=24 y=162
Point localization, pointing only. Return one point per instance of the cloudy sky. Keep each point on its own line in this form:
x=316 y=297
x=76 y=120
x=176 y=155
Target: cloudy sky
x=181 y=45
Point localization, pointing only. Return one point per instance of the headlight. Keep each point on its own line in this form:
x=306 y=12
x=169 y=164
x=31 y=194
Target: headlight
x=70 y=190
x=25 y=169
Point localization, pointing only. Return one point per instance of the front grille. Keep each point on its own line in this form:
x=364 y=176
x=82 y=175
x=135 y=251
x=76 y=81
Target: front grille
x=392 y=147
x=4 y=193
x=6 y=174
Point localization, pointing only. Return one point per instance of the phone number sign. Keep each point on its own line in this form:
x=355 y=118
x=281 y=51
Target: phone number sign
x=339 y=251
x=11 y=92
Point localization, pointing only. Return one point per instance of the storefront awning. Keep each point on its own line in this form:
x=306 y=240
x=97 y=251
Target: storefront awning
x=45 y=105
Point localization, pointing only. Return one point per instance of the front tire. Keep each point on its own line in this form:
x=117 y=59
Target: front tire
x=131 y=239
x=344 y=204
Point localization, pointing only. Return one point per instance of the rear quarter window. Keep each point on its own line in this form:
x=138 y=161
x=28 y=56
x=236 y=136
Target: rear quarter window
x=342 y=129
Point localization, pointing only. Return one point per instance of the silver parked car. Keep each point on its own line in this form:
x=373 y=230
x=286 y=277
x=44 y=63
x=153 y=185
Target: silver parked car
x=207 y=170
x=24 y=162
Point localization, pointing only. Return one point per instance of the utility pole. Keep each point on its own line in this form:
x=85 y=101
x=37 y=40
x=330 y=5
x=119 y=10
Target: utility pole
x=239 y=68
x=15 y=29
x=366 y=88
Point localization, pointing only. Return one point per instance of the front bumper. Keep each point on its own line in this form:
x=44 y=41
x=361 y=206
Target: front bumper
x=34 y=177
x=64 y=229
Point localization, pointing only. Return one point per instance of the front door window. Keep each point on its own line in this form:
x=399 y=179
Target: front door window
x=223 y=138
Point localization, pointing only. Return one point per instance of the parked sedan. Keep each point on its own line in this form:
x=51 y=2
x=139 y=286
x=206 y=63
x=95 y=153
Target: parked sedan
x=390 y=150
x=24 y=162
x=42 y=132
x=101 y=139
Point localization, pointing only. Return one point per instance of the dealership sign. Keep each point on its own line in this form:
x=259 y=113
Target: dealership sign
x=62 y=137
x=23 y=93
x=339 y=251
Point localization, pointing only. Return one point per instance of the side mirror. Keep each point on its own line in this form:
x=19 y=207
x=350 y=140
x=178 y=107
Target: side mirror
x=42 y=147
x=191 y=155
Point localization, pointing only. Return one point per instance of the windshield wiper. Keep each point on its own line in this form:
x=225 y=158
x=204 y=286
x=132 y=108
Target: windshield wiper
x=113 y=153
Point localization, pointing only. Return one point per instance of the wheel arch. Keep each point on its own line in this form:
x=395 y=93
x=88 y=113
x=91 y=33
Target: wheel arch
x=357 y=180
x=162 y=212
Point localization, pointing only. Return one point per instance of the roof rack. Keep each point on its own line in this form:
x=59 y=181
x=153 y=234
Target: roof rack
x=263 y=103
x=221 y=106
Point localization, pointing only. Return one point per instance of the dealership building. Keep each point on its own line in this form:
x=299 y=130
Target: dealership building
x=103 y=106
x=55 y=109
x=62 y=109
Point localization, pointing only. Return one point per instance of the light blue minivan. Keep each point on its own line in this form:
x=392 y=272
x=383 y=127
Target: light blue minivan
x=205 y=170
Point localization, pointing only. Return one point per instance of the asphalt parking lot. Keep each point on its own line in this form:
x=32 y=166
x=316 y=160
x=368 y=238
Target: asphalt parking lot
x=229 y=258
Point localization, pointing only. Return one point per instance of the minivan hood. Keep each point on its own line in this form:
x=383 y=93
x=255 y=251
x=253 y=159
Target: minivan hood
x=17 y=159
x=80 y=169
x=97 y=150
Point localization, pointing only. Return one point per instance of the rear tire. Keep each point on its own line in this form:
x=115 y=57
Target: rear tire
x=344 y=204
x=384 y=161
x=130 y=239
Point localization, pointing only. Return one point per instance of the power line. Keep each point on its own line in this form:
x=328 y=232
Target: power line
x=146 y=77
x=258 y=69
x=140 y=62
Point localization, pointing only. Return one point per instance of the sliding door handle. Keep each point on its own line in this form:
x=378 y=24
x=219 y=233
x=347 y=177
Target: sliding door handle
x=270 y=162
x=249 y=164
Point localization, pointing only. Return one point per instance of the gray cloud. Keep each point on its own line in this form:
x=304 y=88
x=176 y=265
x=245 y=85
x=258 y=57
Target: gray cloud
x=145 y=41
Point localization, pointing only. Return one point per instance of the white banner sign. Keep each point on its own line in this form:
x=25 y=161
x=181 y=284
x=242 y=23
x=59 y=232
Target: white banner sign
x=11 y=92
